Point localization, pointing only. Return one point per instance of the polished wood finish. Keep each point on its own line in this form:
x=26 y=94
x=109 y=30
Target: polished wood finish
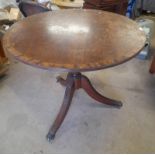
x=76 y=81
x=74 y=40
x=152 y=68
x=117 y=6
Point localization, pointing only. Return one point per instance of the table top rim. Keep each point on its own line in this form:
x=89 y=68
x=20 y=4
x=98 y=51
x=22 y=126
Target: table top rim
x=23 y=58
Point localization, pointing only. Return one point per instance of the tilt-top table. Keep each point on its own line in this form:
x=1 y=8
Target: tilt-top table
x=74 y=41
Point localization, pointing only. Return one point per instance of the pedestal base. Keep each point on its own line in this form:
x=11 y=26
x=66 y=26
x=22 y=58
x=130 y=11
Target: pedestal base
x=76 y=81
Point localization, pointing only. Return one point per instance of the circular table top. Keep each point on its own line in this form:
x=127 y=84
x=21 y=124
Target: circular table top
x=74 y=40
x=68 y=3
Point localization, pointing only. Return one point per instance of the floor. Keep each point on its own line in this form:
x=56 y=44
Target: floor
x=31 y=98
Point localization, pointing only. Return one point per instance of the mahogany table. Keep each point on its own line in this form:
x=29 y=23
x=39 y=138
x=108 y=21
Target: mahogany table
x=74 y=41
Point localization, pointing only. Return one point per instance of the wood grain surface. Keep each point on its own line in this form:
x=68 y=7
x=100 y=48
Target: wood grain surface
x=74 y=40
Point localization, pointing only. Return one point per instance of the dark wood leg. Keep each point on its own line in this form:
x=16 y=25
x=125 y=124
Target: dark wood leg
x=64 y=108
x=87 y=86
x=76 y=81
x=152 y=68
